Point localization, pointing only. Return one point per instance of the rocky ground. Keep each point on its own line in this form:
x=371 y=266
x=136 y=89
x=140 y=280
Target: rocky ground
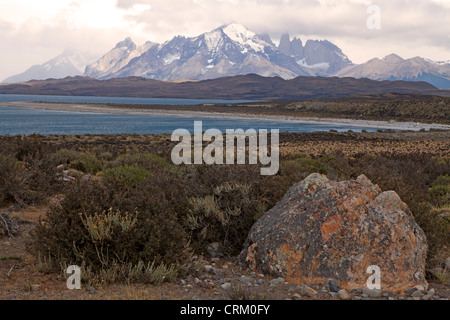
x=23 y=277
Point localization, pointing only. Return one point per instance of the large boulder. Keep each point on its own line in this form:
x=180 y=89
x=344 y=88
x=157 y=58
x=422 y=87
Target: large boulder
x=325 y=229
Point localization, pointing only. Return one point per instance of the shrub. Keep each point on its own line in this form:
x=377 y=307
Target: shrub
x=144 y=225
x=226 y=216
x=12 y=186
x=147 y=161
x=25 y=183
x=129 y=176
x=81 y=161
x=8 y=225
x=440 y=190
x=304 y=165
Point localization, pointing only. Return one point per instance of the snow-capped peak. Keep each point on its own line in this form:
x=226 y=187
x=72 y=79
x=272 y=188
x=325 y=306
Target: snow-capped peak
x=117 y=58
x=227 y=50
x=246 y=38
x=71 y=62
x=238 y=32
x=213 y=39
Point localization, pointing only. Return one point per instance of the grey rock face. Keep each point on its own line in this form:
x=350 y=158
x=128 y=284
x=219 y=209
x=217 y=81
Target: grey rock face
x=226 y=51
x=324 y=229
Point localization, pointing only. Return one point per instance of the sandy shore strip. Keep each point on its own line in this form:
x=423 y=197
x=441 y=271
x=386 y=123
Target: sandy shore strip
x=108 y=109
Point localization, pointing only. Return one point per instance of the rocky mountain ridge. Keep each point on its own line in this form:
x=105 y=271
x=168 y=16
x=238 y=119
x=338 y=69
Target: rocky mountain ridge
x=226 y=51
x=232 y=50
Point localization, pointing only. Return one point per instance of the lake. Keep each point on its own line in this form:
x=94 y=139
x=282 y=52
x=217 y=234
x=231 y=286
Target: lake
x=14 y=121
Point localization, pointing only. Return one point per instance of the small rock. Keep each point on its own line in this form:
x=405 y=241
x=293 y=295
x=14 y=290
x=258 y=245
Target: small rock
x=226 y=286
x=358 y=291
x=427 y=297
x=274 y=282
x=409 y=292
x=334 y=295
x=332 y=285
x=203 y=276
x=310 y=292
x=307 y=291
x=447 y=263
x=68 y=178
x=297 y=296
x=209 y=269
x=419 y=288
x=245 y=279
x=432 y=292
x=372 y=293
x=90 y=290
x=213 y=249
x=344 y=295
x=417 y=294
x=260 y=282
x=86 y=178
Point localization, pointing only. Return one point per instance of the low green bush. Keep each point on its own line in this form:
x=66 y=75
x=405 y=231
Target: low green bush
x=129 y=176
x=440 y=190
x=81 y=161
x=144 y=160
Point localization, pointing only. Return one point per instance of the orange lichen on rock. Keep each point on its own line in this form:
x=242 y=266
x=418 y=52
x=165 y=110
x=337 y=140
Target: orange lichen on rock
x=330 y=226
x=325 y=229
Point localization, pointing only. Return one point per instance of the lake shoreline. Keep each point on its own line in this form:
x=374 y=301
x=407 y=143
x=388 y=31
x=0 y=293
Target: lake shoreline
x=109 y=109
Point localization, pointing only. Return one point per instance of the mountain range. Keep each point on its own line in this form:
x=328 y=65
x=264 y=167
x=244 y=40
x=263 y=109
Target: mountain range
x=393 y=67
x=241 y=87
x=232 y=50
x=71 y=62
x=226 y=51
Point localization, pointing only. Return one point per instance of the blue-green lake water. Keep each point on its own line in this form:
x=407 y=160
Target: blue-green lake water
x=24 y=121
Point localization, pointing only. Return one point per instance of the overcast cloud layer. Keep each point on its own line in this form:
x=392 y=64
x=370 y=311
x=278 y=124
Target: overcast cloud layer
x=32 y=32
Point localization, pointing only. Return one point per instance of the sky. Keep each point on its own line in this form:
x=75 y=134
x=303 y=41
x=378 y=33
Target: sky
x=32 y=32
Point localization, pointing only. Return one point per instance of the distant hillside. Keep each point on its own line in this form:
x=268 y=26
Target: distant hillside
x=69 y=63
x=252 y=87
x=393 y=67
